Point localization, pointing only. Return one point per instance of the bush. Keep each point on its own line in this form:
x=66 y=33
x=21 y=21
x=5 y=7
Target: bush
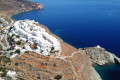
x=17 y=51
x=11 y=53
x=51 y=51
x=16 y=64
x=35 y=47
x=4 y=71
x=17 y=36
x=18 y=42
x=10 y=38
x=52 y=48
x=20 y=78
x=4 y=74
x=5 y=59
x=26 y=51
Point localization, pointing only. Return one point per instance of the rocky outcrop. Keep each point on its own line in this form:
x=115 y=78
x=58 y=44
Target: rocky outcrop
x=100 y=56
x=39 y=6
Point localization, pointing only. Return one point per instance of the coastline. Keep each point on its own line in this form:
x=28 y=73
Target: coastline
x=62 y=42
x=20 y=6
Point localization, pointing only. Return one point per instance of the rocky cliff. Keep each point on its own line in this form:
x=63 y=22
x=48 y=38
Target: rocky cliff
x=100 y=56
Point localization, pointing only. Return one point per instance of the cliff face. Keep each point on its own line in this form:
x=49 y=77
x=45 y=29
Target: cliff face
x=100 y=56
x=10 y=7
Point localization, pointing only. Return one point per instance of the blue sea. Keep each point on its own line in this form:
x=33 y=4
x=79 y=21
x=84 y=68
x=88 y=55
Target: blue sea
x=83 y=23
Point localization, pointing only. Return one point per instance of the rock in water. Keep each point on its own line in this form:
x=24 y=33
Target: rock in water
x=39 y=6
x=100 y=56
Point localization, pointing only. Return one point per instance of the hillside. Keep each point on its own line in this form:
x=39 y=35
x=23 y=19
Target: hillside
x=29 y=51
x=10 y=7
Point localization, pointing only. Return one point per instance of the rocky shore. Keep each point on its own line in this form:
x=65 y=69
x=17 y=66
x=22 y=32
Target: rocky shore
x=100 y=56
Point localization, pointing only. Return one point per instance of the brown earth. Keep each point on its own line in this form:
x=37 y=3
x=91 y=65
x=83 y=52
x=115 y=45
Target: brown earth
x=10 y=7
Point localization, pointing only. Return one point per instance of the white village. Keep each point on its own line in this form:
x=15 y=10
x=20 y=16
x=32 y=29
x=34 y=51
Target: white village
x=19 y=37
x=26 y=36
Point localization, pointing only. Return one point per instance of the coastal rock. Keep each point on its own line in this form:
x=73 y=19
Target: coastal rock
x=39 y=6
x=100 y=56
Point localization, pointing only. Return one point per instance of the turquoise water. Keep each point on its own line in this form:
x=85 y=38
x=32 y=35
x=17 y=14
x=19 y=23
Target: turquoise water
x=82 y=23
x=111 y=72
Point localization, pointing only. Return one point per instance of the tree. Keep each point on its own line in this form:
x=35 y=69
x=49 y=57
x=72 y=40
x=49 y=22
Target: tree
x=51 y=51
x=11 y=53
x=18 y=42
x=17 y=51
x=17 y=36
x=35 y=47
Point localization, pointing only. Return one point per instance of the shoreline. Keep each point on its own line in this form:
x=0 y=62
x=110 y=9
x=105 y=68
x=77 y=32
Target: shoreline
x=62 y=42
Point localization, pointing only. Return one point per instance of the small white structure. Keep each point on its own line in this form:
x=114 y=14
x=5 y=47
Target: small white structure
x=11 y=73
x=98 y=46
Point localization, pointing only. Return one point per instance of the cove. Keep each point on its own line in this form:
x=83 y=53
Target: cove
x=82 y=23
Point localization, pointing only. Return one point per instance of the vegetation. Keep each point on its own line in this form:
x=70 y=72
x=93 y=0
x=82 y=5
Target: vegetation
x=10 y=38
x=11 y=53
x=4 y=71
x=52 y=49
x=20 y=78
x=17 y=51
x=2 y=32
x=18 y=42
x=17 y=36
x=13 y=35
x=5 y=59
x=11 y=48
x=10 y=29
x=16 y=64
x=35 y=47
x=26 y=51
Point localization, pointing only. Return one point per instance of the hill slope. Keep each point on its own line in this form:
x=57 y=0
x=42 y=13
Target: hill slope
x=9 y=7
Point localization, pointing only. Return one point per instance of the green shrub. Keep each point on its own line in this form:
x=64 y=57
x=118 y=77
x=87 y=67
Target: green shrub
x=4 y=74
x=10 y=38
x=4 y=71
x=17 y=36
x=26 y=51
x=52 y=48
x=20 y=78
x=51 y=51
x=11 y=53
x=16 y=64
x=17 y=51
x=18 y=42
x=35 y=47
x=5 y=59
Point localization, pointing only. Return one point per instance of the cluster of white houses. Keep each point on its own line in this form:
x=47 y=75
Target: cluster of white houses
x=30 y=34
